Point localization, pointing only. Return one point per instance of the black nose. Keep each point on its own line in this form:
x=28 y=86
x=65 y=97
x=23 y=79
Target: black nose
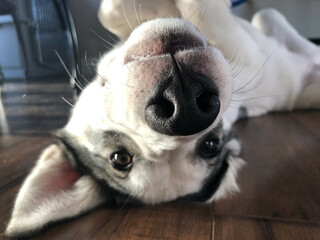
x=185 y=104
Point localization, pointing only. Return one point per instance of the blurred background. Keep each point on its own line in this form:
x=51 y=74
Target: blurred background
x=45 y=45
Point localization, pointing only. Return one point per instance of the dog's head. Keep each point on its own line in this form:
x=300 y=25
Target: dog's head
x=149 y=128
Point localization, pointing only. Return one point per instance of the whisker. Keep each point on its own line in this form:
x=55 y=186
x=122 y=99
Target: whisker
x=104 y=81
x=67 y=102
x=135 y=11
x=86 y=59
x=83 y=77
x=115 y=40
x=199 y=20
x=95 y=69
x=234 y=56
x=237 y=64
x=250 y=89
x=101 y=38
x=63 y=64
x=188 y=20
x=252 y=98
x=141 y=19
x=252 y=79
x=125 y=16
x=244 y=64
x=68 y=72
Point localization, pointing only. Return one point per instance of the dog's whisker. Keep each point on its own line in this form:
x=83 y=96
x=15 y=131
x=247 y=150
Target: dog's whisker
x=186 y=11
x=244 y=64
x=234 y=57
x=102 y=83
x=81 y=75
x=76 y=81
x=135 y=11
x=188 y=20
x=86 y=60
x=141 y=19
x=127 y=85
x=103 y=80
x=259 y=82
x=237 y=64
x=199 y=20
x=125 y=16
x=111 y=45
x=253 y=78
x=63 y=64
x=114 y=39
x=70 y=104
x=113 y=137
x=252 y=98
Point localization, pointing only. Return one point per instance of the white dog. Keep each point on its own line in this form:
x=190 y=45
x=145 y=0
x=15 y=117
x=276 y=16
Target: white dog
x=155 y=124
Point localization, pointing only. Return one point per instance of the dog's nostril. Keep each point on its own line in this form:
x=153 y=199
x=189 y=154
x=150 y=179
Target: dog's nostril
x=205 y=101
x=162 y=108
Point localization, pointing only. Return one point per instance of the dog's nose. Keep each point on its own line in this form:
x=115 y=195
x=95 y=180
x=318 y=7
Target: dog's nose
x=184 y=104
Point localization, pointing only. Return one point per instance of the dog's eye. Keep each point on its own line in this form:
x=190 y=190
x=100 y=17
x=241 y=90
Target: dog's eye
x=209 y=148
x=121 y=160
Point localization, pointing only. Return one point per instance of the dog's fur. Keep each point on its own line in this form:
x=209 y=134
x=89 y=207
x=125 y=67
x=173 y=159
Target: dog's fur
x=252 y=68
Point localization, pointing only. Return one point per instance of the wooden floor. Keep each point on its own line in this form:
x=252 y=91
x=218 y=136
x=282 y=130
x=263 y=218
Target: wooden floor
x=280 y=184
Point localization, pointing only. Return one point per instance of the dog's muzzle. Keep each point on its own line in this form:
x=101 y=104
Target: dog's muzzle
x=186 y=102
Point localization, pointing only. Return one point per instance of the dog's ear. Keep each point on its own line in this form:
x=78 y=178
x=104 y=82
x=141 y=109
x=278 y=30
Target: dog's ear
x=52 y=191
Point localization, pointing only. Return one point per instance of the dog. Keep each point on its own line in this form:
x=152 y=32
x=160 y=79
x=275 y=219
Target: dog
x=155 y=125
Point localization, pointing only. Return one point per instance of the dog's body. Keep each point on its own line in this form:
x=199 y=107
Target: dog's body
x=155 y=124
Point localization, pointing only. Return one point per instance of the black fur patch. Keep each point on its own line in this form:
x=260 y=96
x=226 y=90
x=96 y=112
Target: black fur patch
x=219 y=168
x=242 y=113
x=83 y=161
x=210 y=185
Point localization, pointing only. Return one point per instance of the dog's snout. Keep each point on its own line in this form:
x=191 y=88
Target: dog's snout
x=185 y=104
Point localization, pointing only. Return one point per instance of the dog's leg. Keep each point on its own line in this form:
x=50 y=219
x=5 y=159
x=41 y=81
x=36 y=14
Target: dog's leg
x=214 y=19
x=274 y=24
x=122 y=16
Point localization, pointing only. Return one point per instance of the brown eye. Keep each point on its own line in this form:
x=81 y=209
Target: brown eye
x=121 y=160
x=209 y=148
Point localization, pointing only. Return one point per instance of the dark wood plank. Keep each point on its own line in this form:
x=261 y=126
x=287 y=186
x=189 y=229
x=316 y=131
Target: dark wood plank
x=263 y=229
x=310 y=120
x=166 y=221
x=282 y=176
